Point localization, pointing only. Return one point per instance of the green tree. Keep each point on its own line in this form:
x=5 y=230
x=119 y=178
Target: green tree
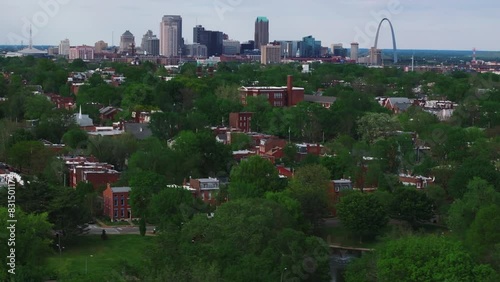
x=142 y=226
x=253 y=178
x=76 y=138
x=240 y=141
x=309 y=187
x=174 y=206
x=29 y=156
x=32 y=245
x=36 y=106
x=463 y=211
x=424 y=258
x=375 y=126
x=144 y=184
x=411 y=205
x=352 y=211
x=470 y=168
x=483 y=236
x=247 y=240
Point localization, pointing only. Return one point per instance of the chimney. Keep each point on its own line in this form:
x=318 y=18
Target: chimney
x=289 y=84
x=289 y=90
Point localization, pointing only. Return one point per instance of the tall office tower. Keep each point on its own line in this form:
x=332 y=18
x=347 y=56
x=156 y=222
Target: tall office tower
x=196 y=50
x=212 y=39
x=261 y=32
x=198 y=34
x=375 y=56
x=171 y=41
x=231 y=47
x=309 y=47
x=64 y=47
x=270 y=54
x=354 y=51
x=99 y=46
x=127 y=41
x=150 y=44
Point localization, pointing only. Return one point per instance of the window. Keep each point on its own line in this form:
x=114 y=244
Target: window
x=116 y=201
x=203 y=196
x=123 y=212
x=122 y=201
x=116 y=213
x=209 y=196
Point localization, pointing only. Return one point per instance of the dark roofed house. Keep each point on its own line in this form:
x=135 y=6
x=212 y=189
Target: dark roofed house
x=140 y=131
x=109 y=112
x=397 y=104
x=325 y=101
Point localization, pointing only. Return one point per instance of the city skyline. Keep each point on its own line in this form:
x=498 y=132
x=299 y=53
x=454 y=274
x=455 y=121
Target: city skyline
x=452 y=25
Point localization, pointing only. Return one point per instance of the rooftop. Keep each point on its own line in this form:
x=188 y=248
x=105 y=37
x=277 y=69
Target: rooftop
x=120 y=189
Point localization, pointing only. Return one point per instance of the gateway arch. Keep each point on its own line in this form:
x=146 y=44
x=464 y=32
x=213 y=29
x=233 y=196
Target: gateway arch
x=393 y=38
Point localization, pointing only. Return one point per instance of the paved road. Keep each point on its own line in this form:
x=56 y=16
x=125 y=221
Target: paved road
x=95 y=229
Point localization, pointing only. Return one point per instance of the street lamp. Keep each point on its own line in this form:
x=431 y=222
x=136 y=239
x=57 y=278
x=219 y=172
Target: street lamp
x=283 y=272
x=86 y=264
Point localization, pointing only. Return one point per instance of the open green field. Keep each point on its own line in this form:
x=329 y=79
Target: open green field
x=92 y=258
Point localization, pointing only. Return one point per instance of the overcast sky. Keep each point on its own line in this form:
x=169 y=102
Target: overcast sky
x=418 y=24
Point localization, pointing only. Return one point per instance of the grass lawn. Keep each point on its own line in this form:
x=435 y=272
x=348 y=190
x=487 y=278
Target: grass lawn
x=99 y=256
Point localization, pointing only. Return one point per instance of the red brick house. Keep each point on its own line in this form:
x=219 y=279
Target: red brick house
x=98 y=174
x=396 y=104
x=116 y=203
x=109 y=113
x=284 y=171
x=335 y=191
x=285 y=96
x=67 y=103
x=271 y=147
x=241 y=121
x=206 y=189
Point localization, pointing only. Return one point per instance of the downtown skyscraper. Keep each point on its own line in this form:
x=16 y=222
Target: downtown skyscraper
x=171 y=41
x=261 y=32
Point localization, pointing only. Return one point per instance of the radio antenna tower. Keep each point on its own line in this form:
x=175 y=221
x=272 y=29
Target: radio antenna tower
x=474 y=55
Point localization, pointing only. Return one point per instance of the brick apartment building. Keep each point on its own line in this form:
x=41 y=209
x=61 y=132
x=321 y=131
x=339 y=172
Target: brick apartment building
x=116 y=203
x=335 y=191
x=206 y=189
x=285 y=96
x=83 y=170
x=241 y=121
x=67 y=103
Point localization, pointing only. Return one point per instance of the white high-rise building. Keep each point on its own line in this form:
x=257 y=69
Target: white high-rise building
x=354 y=51
x=64 y=47
x=171 y=36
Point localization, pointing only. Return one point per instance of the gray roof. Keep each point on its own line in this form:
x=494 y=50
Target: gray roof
x=399 y=100
x=83 y=120
x=120 y=189
x=207 y=180
x=319 y=99
x=106 y=109
x=140 y=131
x=402 y=106
x=27 y=51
